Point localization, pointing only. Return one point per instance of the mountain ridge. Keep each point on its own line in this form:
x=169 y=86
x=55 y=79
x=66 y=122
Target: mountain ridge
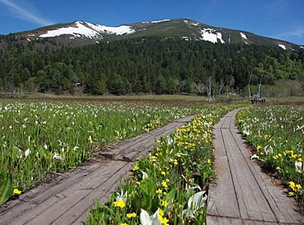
x=82 y=32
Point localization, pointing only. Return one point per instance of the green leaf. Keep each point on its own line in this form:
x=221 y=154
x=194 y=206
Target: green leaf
x=148 y=187
x=6 y=187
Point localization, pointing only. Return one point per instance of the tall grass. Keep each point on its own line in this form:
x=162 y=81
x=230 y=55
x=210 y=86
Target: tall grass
x=38 y=137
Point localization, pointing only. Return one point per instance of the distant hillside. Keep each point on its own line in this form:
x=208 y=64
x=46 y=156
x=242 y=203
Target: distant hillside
x=81 y=33
x=149 y=65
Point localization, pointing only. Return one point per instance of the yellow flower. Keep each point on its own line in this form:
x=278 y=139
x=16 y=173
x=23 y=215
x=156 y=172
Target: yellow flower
x=121 y=204
x=17 y=192
x=298 y=187
x=164 y=183
x=209 y=161
x=123 y=224
x=164 y=221
x=175 y=162
x=292 y=184
x=131 y=215
x=259 y=147
x=153 y=158
x=163 y=173
x=160 y=213
x=135 y=167
x=159 y=191
x=164 y=203
x=291 y=193
x=278 y=168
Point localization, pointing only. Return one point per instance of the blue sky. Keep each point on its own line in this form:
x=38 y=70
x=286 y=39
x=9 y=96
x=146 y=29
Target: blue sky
x=283 y=19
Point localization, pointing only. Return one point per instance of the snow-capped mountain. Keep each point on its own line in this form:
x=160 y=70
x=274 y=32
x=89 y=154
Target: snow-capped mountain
x=82 y=29
x=82 y=32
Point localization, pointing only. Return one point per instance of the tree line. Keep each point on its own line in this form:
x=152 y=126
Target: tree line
x=147 y=65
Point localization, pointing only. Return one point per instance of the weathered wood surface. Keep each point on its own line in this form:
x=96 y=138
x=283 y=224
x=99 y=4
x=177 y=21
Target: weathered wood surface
x=242 y=193
x=67 y=199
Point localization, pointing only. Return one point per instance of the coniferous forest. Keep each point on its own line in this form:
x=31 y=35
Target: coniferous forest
x=147 y=65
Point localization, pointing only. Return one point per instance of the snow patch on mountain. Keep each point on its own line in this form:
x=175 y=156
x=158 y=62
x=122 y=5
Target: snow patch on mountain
x=243 y=36
x=301 y=46
x=89 y=30
x=209 y=34
x=112 y=30
x=282 y=46
x=159 y=21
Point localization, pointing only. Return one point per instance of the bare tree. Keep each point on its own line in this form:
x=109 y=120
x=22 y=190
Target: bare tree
x=221 y=86
x=229 y=84
x=260 y=84
x=200 y=87
x=209 y=89
x=13 y=90
x=249 y=91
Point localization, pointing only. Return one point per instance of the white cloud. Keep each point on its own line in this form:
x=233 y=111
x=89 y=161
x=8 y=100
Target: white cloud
x=278 y=6
x=296 y=33
x=25 y=14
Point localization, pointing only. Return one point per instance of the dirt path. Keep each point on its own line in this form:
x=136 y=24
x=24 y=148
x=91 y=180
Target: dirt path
x=242 y=194
x=67 y=199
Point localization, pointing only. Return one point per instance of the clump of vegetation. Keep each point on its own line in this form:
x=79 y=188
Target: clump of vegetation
x=167 y=187
x=37 y=138
x=277 y=135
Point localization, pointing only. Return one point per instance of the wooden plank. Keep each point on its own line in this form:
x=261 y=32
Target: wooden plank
x=52 y=213
x=260 y=202
x=252 y=204
x=284 y=208
x=227 y=120
x=48 y=195
x=212 y=220
x=141 y=149
x=222 y=190
x=66 y=197
x=103 y=191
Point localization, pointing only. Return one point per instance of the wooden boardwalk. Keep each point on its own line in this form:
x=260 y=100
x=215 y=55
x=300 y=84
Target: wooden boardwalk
x=242 y=194
x=67 y=199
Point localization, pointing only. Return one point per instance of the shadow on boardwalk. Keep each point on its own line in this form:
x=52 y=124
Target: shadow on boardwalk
x=67 y=199
x=242 y=194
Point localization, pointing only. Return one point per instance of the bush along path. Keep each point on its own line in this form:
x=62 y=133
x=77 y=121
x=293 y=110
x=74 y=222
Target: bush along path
x=168 y=187
x=242 y=194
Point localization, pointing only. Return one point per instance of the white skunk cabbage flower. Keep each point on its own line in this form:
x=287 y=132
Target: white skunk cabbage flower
x=27 y=152
x=121 y=196
x=195 y=202
x=144 y=175
x=268 y=150
x=299 y=166
x=58 y=156
x=145 y=219
x=254 y=156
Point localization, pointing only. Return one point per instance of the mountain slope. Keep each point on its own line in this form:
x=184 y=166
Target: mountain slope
x=81 y=32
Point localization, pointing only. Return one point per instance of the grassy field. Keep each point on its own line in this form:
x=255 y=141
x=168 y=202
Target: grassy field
x=277 y=134
x=163 y=189
x=43 y=134
x=41 y=137
x=174 y=99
